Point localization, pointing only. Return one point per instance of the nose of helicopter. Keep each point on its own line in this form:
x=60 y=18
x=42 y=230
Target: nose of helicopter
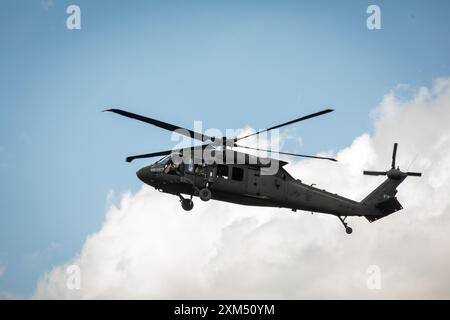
x=144 y=174
x=140 y=174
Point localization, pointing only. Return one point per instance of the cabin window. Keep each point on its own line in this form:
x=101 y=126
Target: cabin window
x=238 y=174
x=222 y=171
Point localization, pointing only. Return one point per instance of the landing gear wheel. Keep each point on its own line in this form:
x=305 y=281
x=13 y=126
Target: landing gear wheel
x=187 y=204
x=348 y=230
x=205 y=194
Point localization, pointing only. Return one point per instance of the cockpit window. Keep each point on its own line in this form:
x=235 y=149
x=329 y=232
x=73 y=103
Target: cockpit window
x=164 y=160
x=169 y=168
x=166 y=165
x=160 y=165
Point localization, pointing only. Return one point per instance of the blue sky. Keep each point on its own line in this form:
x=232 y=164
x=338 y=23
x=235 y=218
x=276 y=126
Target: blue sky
x=227 y=63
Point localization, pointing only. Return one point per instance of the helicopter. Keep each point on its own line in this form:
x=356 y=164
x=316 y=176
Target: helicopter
x=242 y=178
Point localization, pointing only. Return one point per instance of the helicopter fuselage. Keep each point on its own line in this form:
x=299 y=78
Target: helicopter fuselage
x=245 y=185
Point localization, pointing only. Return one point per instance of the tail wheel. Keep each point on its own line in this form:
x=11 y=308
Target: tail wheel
x=205 y=194
x=187 y=204
x=348 y=230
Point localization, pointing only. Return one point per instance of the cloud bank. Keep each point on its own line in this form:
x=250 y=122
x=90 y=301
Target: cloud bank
x=149 y=248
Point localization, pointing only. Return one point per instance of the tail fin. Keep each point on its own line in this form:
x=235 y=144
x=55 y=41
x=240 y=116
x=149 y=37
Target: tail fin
x=381 y=202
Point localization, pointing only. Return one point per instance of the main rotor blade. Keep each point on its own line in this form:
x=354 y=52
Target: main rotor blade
x=149 y=155
x=163 y=125
x=165 y=153
x=287 y=153
x=394 y=154
x=375 y=173
x=312 y=115
x=414 y=174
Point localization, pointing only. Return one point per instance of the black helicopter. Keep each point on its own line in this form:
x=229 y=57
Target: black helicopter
x=237 y=177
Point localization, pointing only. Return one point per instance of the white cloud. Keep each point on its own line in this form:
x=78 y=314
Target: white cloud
x=149 y=248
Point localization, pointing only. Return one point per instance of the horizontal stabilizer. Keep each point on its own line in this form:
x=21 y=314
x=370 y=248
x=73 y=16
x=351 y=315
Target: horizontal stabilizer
x=385 y=208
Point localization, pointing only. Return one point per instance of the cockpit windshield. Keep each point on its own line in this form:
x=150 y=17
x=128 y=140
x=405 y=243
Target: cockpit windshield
x=167 y=166
x=163 y=160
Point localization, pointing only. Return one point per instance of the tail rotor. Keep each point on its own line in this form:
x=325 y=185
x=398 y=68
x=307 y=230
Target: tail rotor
x=393 y=173
x=382 y=201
